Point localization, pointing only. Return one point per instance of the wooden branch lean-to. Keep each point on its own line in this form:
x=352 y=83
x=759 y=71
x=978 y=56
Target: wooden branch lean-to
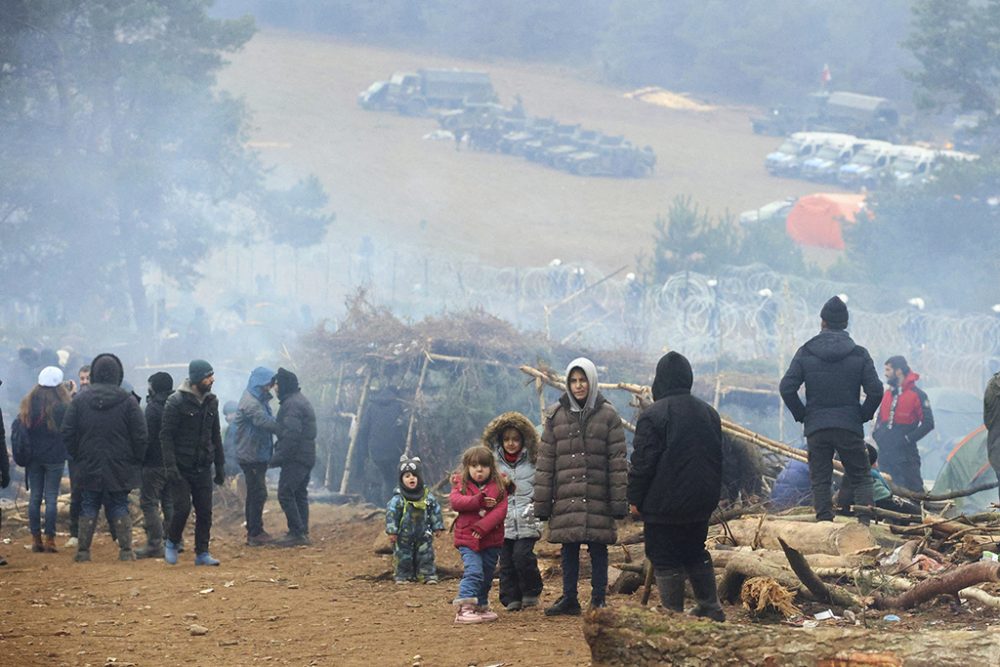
x=416 y=402
x=345 y=480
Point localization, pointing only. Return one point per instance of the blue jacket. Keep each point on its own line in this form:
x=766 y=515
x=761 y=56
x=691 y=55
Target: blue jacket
x=792 y=487
x=255 y=423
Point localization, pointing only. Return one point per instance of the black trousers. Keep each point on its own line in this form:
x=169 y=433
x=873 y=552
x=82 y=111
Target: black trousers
x=293 y=496
x=193 y=488
x=853 y=455
x=570 y=560
x=672 y=546
x=519 y=575
x=255 y=475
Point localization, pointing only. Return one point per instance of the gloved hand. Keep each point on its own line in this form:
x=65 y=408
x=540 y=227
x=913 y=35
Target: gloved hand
x=220 y=478
x=4 y=480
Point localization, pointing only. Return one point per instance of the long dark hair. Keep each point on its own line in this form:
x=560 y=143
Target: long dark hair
x=39 y=405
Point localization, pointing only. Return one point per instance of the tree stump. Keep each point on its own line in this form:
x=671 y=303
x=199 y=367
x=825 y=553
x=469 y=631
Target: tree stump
x=823 y=537
x=635 y=637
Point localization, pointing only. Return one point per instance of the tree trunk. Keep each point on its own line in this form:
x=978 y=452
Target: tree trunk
x=634 y=637
x=821 y=537
x=949 y=583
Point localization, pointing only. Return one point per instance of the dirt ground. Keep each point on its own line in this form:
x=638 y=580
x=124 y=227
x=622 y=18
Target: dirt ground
x=385 y=181
x=327 y=604
x=332 y=603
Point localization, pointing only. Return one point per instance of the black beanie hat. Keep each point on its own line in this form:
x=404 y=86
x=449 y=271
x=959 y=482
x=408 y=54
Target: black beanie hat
x=198 y=370
x=161 y=383
x=412 y=466
x=834 y=313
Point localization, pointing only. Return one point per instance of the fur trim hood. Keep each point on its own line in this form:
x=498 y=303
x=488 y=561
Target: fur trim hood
x=494 y=430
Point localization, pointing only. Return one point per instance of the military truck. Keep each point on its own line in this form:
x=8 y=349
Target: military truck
x=862 y=115
x=415 y=93
x=622 y=161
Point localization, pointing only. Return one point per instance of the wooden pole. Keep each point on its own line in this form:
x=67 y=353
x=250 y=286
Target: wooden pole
x=416 y=402
x=329 y=450
x=354 y=436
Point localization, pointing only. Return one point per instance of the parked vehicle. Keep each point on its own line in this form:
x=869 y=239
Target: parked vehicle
x=794 y=150
x=415 y=93
x=771 y=212
x=913 y=165
x=866 y=169
x=838 y=150
x=862 y=115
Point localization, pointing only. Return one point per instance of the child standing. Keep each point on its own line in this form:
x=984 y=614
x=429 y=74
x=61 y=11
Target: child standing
x=412 y=520
x=580 y=482
x=512 y=437
x=479 y=497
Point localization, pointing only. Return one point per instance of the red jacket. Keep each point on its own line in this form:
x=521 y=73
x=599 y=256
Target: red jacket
x=908 y=409
x=470 y=502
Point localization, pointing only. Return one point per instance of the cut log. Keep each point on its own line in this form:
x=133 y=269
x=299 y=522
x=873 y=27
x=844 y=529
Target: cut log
x=634 y=637
x=747 y=565
x=721 y=557
x=949 y=583
x=822 y=592
x=822 y=537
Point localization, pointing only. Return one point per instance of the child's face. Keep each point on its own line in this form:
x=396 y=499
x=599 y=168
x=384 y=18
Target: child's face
x=410 y=480
x=579 y=386
x=512 y=441
x=479 y=473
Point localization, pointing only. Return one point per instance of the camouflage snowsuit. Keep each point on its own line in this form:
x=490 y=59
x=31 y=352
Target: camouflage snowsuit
x=414 y=523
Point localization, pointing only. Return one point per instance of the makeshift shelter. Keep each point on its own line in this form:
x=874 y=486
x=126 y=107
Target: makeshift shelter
x=968 y=466
x=956 y=414
x=816 y=219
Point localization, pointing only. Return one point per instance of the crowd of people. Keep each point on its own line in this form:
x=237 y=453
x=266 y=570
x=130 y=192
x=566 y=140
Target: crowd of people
x=576 y=476
x=172 y=452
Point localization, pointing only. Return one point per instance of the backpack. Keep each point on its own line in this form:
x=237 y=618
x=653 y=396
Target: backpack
x=20 y=443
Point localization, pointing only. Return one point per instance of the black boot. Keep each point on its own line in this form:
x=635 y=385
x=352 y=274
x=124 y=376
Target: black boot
x=123 y=529
x=85 y=536
x=564 y=606
x=154 y=540
x=705 y=594
x=670 y=583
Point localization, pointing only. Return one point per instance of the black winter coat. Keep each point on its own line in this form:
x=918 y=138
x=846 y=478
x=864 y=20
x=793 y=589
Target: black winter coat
x=105 y=435
x=834 y=369
x=190 y=435
x=676 y=468
x=154 y=422
x=47 y=445
x=297 y=442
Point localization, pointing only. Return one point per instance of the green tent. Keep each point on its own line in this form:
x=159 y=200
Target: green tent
x=968 y=466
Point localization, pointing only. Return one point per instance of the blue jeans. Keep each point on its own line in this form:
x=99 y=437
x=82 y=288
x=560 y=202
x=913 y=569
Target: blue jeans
x=115 y=504
x=477 y=573
x=598 y=569
x=44 y=480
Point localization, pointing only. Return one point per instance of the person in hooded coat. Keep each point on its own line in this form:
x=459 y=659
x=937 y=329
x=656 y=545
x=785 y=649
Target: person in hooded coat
x=295 y=454
x=154 y=496
x=4 y=468
x=835 y=370
x=674 y=484
x=191 y=443
x=580 y=481
x=991 y=418
x=256 y=427
x=105 y=434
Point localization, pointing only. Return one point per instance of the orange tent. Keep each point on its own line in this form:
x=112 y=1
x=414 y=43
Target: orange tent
x=815 y=219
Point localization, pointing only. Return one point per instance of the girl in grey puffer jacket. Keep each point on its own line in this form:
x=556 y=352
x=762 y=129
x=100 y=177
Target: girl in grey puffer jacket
x=514 y=439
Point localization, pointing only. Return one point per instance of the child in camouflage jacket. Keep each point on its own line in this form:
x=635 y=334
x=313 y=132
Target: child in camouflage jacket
x=412 y=520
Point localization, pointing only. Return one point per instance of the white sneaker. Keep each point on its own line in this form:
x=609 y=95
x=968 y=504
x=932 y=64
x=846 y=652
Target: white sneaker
x=72 y=542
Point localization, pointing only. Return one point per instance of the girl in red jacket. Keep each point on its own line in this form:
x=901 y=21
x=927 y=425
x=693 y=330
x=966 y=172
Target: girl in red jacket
x=479 y=496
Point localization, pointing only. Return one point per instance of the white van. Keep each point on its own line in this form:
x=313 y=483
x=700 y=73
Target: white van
x=794 y=150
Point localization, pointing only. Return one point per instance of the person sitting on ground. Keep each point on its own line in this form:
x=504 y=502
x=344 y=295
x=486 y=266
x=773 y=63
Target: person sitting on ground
x=880 y=491
x=412 y=520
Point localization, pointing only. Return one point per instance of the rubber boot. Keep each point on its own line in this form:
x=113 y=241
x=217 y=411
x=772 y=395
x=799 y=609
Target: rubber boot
x=123 y=529
x=84 y=537
x=154 y=541
x=670 y=584
x=705 y=594
x=36 y=543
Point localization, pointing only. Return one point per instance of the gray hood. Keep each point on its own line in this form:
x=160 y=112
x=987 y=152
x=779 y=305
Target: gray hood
x=590 y=370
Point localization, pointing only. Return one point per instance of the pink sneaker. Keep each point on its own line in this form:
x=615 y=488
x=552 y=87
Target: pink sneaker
x=467 y=614
x=486 y=614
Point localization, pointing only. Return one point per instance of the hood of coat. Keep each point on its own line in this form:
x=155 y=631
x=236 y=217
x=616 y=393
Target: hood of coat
x=494 y=431
x=910 y=381
x=288 y=383
x=831 y=345
x=107 y=369
x=103 y=396
x=188 y=388
x=673 y=376
x=590 y=370
x=260 y=378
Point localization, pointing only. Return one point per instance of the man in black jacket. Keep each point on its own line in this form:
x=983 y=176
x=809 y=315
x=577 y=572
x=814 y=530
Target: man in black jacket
x=153 y=493
x=835 y=370
x=4 y=468
x=191 y=441
x=295 y=454
x=674 y=483
x=105 y=434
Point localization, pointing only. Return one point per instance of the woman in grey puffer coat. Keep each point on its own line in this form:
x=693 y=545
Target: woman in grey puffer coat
x=513 y=439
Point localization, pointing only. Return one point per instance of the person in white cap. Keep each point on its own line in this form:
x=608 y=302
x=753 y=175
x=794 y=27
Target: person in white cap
x=41 y=414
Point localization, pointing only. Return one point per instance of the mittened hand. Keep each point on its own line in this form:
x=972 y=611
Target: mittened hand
x=220 y=478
